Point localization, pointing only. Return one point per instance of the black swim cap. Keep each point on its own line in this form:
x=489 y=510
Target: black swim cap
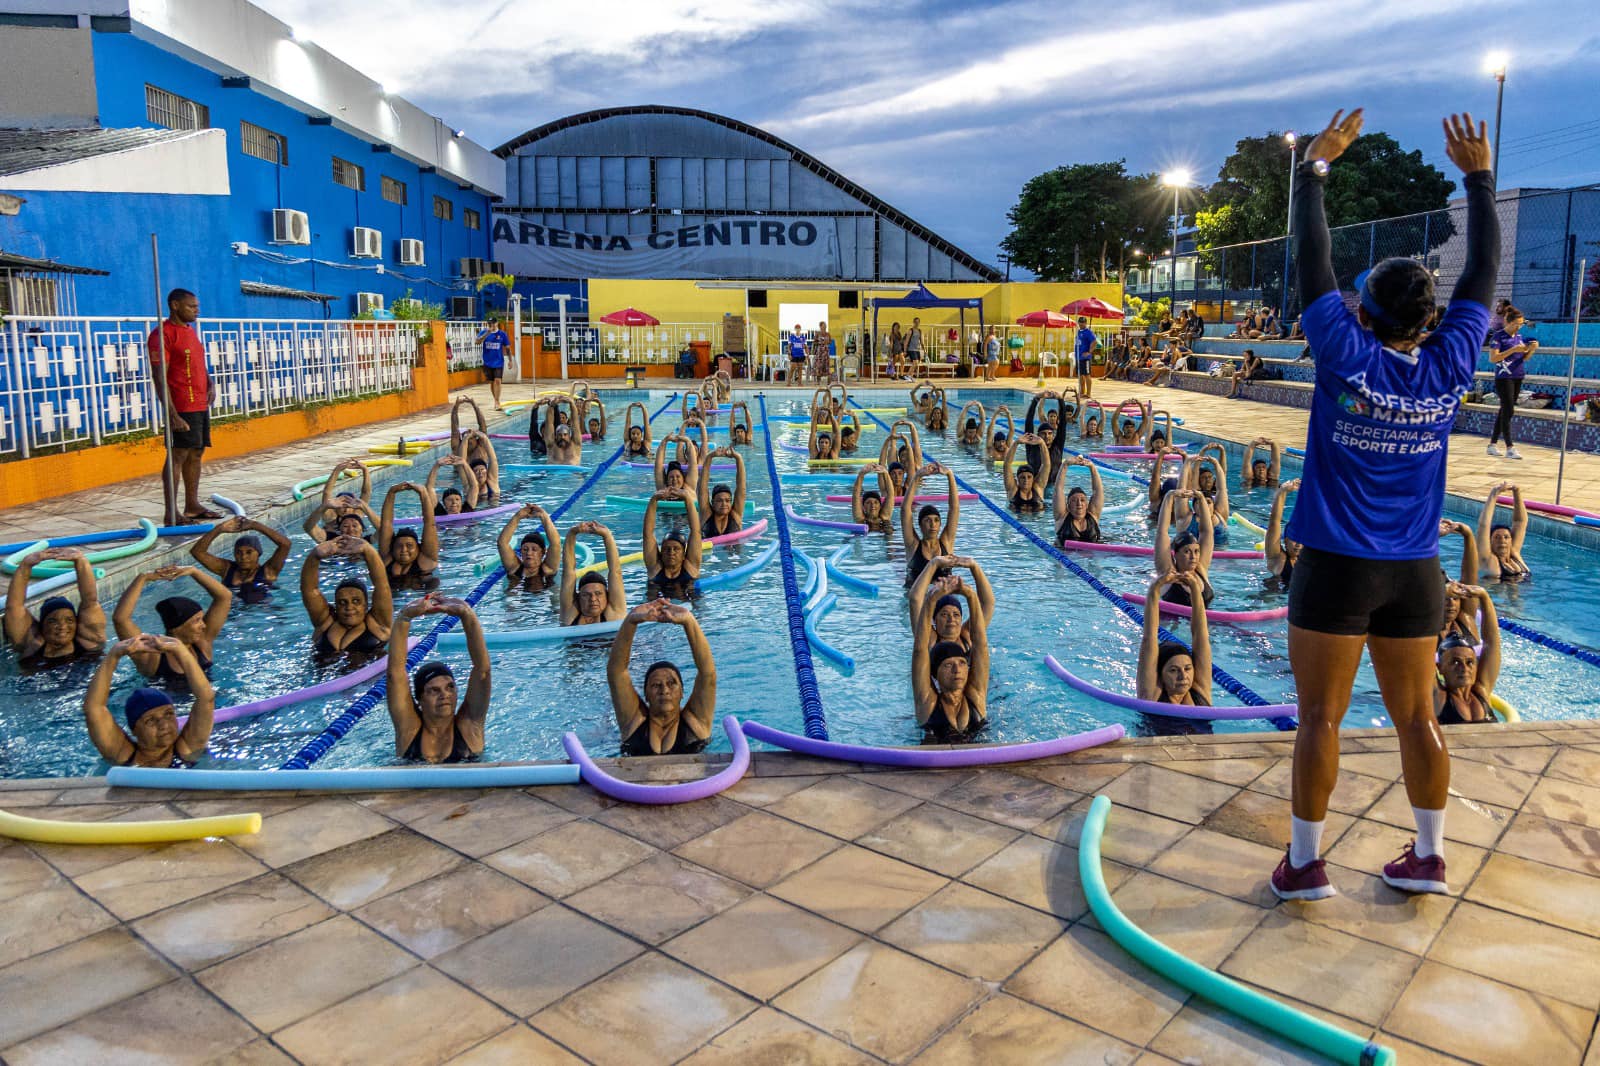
x=404 y=531
x=662 y=664
x=949 y=599
x=176 y=610
x=1456 y=640
x=591 y=578
x=718 y=490
x=54 y=604
x=427 y=672
x=249 y=540
x=927 y=509
x=350 y=583
x=945 y=649
x=1167 y=651
x=534 y=538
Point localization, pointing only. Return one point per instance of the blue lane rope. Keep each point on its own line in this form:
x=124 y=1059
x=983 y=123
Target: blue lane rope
x=1553 y=643
x=805 y=672
x=1230 y=683
x=320 y=744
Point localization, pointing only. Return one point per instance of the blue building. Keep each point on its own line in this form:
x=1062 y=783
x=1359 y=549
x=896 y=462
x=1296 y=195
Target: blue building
x=279 y=181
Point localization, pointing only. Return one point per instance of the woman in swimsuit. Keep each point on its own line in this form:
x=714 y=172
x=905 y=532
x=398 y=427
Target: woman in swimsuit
x=849 y=433
x=429 y=725
x=593 y=416
x=59 y=635
x=1169 y=672
x=451 y=500
x=658 y=721
x=1091 y=421
x=868 y=508
x=341 y=514
x=636 y=435
x=999 y=438
x=181 y=617
x=724 y=507
x=925 y=536
x=460 y=441
x=824 y=443
x=681 y=474
x=1208 y=474
x=739 y=425
x=674 y=563
x=408 y=561
x=1500 y=547
x=244 y=573
x=937 y=417
x=1466 y=679
x=1025 y=486
x=533 y=565
x=909 y=450
x=354 y=623
x=478 y=455
x=949 y=682
x=971 y=424
x=1189 y=553
x=1262 y=473
x=592 y=598
x=152 y=737
x=1281 y=552
x=949 y=590
x=1077 y=513
x=1459 y=618
x=922 y=398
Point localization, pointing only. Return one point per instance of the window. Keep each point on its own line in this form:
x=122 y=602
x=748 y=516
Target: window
x=173 y=111
x=349 y=175
x=443 y=208
x=263 y=143
x=29 y=295
x=471 y=219
x=394 y=191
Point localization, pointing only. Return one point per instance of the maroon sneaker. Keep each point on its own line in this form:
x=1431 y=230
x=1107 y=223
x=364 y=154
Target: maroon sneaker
x=1301 y=882
x=1412 y=873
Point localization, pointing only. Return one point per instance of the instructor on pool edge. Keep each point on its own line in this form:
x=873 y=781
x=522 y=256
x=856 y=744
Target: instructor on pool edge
x=188 y=399
x=1368 y=574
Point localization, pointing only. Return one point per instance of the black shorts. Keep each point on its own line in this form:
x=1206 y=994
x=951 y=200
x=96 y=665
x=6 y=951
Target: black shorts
x=493 y=373
x=1346 y=596
x=197 y=438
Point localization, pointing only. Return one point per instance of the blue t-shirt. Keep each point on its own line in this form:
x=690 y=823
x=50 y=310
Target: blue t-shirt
x=992 y=348
x=1372 y=485
x=797 y=346
x=1512 y=366
x=495 y=342
x=1085 y=342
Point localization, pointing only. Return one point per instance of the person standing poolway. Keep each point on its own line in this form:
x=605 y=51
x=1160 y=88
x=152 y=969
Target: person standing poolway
x=797 y=354
x=1509 y=354
x=495 y=343
x=1083 y=354
x=991 y=355
x=1368 y=575
x=188 y=399
x=914 y=348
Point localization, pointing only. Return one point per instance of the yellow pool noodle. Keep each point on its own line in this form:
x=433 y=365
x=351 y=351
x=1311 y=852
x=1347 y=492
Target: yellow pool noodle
x=50 y=831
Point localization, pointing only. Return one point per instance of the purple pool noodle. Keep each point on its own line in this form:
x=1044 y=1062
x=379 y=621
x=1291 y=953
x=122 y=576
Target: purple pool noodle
x=966 y=755
x=312 y=692
x=465 y=516
x=1171 y=710
x=683 y=792
x=822 y=523
x=652 y=466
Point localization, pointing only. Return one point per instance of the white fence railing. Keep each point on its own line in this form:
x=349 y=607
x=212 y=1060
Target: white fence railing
x=462 y=338
x=641 y=345
x=74 y=381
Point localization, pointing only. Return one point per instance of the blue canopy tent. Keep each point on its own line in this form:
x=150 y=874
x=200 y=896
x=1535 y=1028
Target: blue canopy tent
x=922 y=297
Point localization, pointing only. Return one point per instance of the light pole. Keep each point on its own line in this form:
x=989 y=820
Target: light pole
x=1177 y=179
x=1288 y=227
x=1495 y=64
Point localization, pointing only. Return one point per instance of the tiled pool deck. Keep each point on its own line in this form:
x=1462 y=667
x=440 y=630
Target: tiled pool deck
x=816 y=913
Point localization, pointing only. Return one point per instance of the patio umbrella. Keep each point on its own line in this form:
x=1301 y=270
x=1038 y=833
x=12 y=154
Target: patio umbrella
x=1091 y=308
x=1046 y=319
x=632 y=318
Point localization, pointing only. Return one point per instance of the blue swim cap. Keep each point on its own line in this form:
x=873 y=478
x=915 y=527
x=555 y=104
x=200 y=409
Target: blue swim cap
x=142 y=701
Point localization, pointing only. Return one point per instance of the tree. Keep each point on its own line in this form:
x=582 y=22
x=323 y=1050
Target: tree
x=1074 y=221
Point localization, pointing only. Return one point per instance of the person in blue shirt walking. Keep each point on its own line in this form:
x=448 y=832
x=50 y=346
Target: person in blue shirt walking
x=1371 y=492
x=1509 y=354
x=495 y=343
x=1083 y=353
x=797 y=354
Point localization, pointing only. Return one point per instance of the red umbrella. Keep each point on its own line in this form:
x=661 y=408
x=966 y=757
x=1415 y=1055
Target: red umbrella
x=1092 y=308
x=1046 y=318
x=630 y=316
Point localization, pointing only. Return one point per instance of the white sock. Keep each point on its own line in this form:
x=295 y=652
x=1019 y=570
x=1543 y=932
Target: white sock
x=1430 y=832
x=1305 y=841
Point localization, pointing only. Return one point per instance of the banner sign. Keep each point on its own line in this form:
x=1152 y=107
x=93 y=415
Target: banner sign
x=765 y=247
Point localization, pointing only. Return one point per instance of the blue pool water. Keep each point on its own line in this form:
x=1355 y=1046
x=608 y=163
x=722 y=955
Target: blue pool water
x=543 y=690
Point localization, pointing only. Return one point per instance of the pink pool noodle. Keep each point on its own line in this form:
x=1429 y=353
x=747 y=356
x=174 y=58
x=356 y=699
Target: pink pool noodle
x=940 y=497
x=964 y=755
x=1145 y=549
x=1266 y=614
x=755 y=529
x=1550 y=508
x=683 y=792
x=1134 y=455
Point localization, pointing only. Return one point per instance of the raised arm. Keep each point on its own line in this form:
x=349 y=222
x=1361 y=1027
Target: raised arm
x=978 y=653
x=221 y=599
x=1199 y=635
x=382 y=602
x=948 y=534
x=1470 y=149
x=1208 y=529
x=1163 y=556
x=280 y=548
x=569 y=572
x=980 y=584
x=1488 y=565
x=1273 y=546
x=1489 y=660
x=701 y=707
x=1313 y=245
x=1005 y=465
x=474 y=710
x=428 y=550
x=122 y=617
x=386 y=522
x=691 y=556
x=625 y=702
x=616 y=592
x=310 y=588
x=739 y=484
x=200 y=550
x=19 y=622
x=104 y=733
x=1519 y=520
x=1058 y=497
x=924 y=697
x=1147 y=682
x=910 y=536
x=661 y=461
x=652 y=550
x=1469 y=548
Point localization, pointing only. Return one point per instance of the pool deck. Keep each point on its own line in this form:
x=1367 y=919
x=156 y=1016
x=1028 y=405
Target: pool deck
x=817 y=912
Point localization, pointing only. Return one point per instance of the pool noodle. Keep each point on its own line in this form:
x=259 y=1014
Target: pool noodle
x=1266 y=614
x=1506 y=712
x=517 y=638
x=311 y=692
x=1141 y=549
x=1171 y=710
x=1133 y=456
x=641 y=503
x=223 y=501
x=823 y=523
x=938 y=497
x=412 y=447
x=651 y=466
x=816 y=583
x=753 y=530
x=582 y=557
x=367 y=779
x=962 y=755
x=529 y=468
x=68 y=566
x=1230 y=995
x=464 y=516
x=735 y=577
x=1550 y=508
x=846 y=663
x=855 y=584
x=42 y=831
x=813 y=479
x=1240 y=520
x=79 y=539
x=848 y=461
x=682 y=792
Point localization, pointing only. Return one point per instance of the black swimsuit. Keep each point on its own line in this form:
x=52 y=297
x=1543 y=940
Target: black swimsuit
x=708 y=528
x=1179 y=594
x=938 y=730
x=1027 y=504
x=684 y=743
x=367 y=643
x=1090 y=535
x=673 y=588
x=1449 y=715
x=459 y=751
x=253 y=590
x=169 y=677
x=916 y=564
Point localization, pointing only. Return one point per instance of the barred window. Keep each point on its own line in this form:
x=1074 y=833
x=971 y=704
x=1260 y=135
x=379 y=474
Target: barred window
x=348 y=174
x=394 y=191
x=263 y=143
x=443 y=208
x=173 y=111
x=471 y=219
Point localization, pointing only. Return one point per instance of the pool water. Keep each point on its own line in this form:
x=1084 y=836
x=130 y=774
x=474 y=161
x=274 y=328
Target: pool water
x=543 y=690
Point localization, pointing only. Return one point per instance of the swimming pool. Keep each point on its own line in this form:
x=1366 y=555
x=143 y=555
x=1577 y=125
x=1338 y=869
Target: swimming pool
x=543 y=690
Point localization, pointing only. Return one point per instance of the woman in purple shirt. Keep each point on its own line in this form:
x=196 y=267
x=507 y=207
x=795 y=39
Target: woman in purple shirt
x=1509 y=354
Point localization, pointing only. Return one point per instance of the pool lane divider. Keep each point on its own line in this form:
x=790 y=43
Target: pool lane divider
x=51 y=831
x=1314 y=1033
x=338 y=684
x=679 y=792
x=320 y=744
x=359 y=780
x=805 y=672
x=1553 y=643
x=934 y=756
x=1229 y=683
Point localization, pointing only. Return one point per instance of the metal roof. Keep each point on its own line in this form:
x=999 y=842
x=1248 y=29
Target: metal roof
x=261 y=288
x=24 y=150
x=12 y=261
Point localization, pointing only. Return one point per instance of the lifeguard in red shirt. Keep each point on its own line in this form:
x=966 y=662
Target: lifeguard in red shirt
x=188 y=396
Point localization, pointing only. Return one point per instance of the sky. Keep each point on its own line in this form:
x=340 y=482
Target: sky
x=945 y=109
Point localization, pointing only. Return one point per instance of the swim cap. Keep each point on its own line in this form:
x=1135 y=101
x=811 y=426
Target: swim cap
x=1183 y=540
x=54 y=604
x=447 y=493
x=249 y=540
x=662 y=664
x=141 y=701
x=1168 y=484
x=972 y=423
x=1456 y=640
x=593 y=577
x=872 y=494
x=718 y=490
x=672 y=465
x=949 y=599
x=896 y=466
x=404 y=531
x=350 y=583
x=427 y=672
x=945 y=649
x=534 y=538
x=1166 y=651
x=999 y=436
x=927 y=509
x=176 y=610
x=1075 y=491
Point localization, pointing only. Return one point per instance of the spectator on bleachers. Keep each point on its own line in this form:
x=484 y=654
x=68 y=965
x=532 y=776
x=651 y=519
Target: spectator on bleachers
x=1171 y=356
x=1252 y=369
x=1246 y=328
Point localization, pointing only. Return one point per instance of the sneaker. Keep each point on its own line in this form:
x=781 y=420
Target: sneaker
x=1301 y=882
x=1492 y=450
x=1512 y=453
x=1411 y=873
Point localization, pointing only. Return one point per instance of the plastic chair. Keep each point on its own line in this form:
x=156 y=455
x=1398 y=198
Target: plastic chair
x=1048 y=359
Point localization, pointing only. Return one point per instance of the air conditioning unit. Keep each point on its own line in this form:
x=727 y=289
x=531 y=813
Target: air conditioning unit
x=473 y=268
x=366 y=243
x=411 y=253
x=368 y=301
x=495 y=266
x=405 y=304
x=290 y=227
x=463 y=307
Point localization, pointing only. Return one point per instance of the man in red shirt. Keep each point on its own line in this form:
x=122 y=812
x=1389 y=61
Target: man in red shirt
x=188 y=397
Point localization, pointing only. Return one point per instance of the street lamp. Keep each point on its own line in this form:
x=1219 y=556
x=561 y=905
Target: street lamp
x=1288 y=228
x=1177 y=180
x=1495 y=65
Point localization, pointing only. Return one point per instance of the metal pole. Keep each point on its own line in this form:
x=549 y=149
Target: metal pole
x=1174 y=301
x=1288 y=233
x=561 y=299
x=516 y=337
x=1572 y=359
x=1499 y=99
x=169 y=480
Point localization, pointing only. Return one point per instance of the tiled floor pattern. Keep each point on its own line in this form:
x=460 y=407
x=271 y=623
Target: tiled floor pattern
x=816 y=913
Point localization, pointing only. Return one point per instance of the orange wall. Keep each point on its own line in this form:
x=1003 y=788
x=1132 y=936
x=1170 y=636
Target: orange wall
x=46 y=476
